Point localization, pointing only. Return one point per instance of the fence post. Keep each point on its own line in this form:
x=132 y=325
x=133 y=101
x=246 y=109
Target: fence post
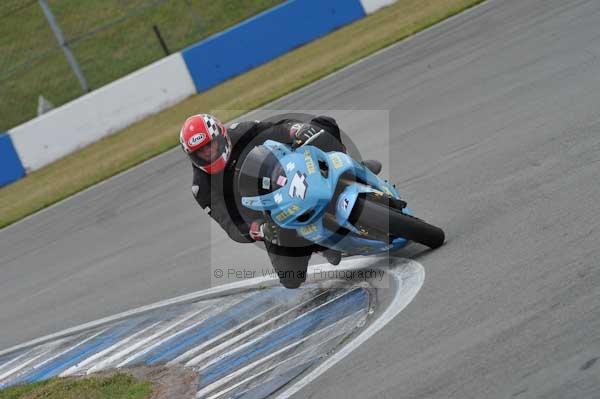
x=161 y=40
x=63 y=44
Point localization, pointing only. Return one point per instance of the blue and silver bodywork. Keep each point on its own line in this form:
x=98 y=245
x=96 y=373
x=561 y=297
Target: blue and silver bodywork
x=301 y=195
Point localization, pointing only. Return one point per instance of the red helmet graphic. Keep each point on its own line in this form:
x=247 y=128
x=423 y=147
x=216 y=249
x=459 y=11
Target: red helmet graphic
x=204 y=139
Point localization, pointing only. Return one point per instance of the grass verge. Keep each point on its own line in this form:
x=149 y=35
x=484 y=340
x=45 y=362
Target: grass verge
x=109 y=38
x=118 y=386
x=285 y=74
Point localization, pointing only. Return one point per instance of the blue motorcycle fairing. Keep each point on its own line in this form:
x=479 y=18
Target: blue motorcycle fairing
x=300 y=198
x=345 y=204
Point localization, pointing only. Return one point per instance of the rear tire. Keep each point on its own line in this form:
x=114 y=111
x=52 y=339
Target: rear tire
x=372 y=215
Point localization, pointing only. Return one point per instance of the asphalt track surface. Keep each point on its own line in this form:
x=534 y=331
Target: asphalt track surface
x=494 y=135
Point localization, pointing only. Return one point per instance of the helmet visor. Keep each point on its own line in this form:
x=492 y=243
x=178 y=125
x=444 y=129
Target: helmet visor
x=209 y=153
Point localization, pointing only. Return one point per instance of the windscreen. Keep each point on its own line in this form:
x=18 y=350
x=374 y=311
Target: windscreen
x=261 y=173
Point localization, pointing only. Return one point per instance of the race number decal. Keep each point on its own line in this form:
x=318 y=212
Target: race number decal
x=298 y=186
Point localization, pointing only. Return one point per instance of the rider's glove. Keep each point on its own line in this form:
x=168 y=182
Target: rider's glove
x=301 y=133
x=263 y=231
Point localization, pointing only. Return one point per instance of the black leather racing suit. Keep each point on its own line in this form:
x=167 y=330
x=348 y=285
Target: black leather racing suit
x=218 y=196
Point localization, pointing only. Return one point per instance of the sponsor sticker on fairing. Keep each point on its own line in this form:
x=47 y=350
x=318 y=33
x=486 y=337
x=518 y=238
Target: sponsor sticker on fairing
x=281 y=180
x=345 y=204
x=337 y=161
x=266 y=183
x=310 y=165
x=287 y=213
x=311 y=228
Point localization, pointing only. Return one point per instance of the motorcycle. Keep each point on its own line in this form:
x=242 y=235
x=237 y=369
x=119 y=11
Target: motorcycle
x=331 y=200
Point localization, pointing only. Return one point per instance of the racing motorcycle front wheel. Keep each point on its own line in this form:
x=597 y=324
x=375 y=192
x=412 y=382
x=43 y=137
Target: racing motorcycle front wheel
x=368 y=215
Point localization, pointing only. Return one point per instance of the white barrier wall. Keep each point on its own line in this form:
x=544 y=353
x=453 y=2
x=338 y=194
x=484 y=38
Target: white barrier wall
x=87 y=119
x=157 y=86
x=371 y=6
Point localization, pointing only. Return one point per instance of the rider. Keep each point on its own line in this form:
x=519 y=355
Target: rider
x=216 y=150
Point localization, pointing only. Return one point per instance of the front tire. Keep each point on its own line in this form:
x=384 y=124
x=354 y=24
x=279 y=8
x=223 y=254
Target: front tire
x=370 y=215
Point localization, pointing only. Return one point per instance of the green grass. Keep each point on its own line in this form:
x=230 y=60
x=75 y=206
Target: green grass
x=118 y=386
x=31 y=63
x=159 y=132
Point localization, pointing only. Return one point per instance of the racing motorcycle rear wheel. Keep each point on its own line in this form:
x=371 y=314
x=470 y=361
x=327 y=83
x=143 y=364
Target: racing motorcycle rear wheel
x=368 y=215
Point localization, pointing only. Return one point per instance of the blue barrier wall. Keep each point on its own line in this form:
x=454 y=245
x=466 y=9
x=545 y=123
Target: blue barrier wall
x=11 y=168
x=210 y=62
x=266 y=36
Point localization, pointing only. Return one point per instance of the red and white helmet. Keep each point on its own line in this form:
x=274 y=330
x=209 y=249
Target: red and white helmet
x=204 y=139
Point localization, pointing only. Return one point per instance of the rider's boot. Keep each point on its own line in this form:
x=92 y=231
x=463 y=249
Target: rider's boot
x=334 y=257
x=373 y=165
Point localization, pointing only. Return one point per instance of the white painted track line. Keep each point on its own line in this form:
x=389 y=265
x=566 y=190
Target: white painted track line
x=410 y=279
